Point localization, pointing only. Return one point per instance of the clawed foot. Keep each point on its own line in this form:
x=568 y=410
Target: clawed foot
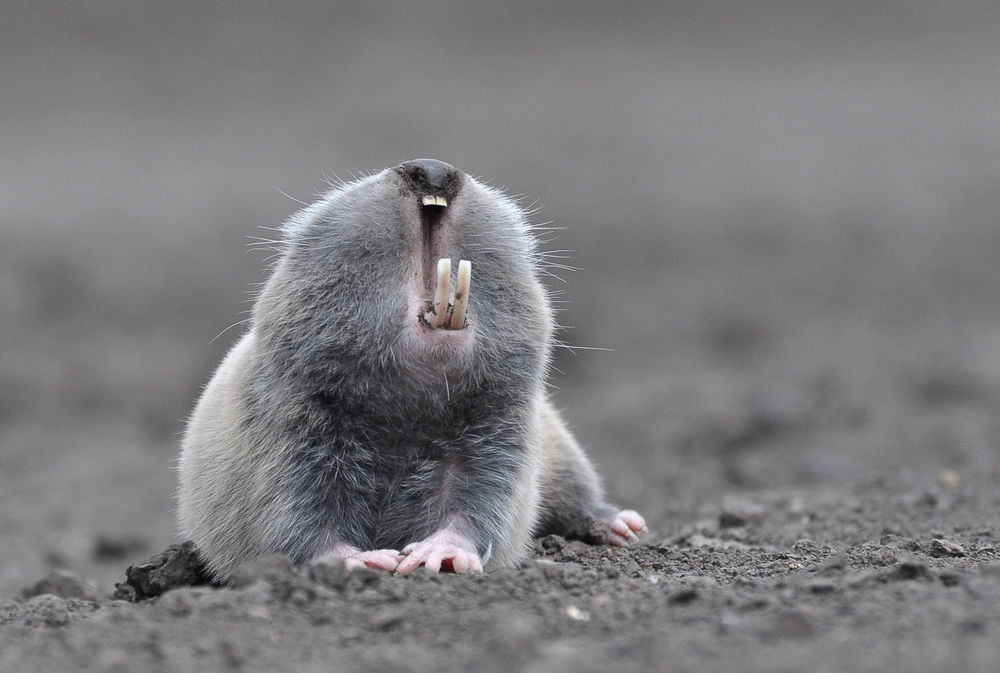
x=444 y=550
x=436 y=556
x=626 y=526
x=380 y=559
x=354 y=558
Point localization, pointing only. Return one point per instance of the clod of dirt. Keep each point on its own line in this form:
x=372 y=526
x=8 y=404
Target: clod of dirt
x=899 y=542
x=908 y=570
x=277 y=576
x=550 y=544
x=273 y=568
x=46 y=610
x=178 y=565
x=330 y=572
x=62 y=584
x=943 y=548
x=683 y=596
x=950 y=578
x=791 y=623
x=837 y=564
x=731 y=520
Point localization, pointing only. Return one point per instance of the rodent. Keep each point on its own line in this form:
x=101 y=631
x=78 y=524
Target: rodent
x=362 y=416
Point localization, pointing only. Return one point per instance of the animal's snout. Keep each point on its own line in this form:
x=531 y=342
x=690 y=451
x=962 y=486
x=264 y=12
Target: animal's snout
x=431 y=178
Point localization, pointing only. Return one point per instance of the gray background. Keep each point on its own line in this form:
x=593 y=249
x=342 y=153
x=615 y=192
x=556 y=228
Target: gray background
x=787 y=216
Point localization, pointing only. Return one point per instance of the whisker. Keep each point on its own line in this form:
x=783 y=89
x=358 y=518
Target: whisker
x=301 y=203
x=239 y=322
x=573 y=349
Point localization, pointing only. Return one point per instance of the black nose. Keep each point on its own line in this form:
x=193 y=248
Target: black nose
x=430 y=177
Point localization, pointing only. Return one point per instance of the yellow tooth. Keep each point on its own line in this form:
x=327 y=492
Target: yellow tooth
x=461 y=294
x=441 y=291
x=429 y=200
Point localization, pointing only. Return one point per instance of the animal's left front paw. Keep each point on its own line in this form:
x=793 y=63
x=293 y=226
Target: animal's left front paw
x=626 y=526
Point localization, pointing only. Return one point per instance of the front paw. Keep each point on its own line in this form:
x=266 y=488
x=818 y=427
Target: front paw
x=379 y=559
x=625 y=527
x=438 y=553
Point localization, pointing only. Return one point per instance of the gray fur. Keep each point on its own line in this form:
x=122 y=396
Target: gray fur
x=330 y=421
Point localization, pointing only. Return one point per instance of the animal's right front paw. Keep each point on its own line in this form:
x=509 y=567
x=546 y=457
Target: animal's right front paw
x=380 y=559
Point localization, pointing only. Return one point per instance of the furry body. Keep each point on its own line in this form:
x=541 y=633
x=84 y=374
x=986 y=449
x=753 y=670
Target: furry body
x=341 y=421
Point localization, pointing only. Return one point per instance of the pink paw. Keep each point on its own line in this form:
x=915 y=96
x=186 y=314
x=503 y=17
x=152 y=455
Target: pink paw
x=380 y=559
x=443 y=550
x=625 y=527
x=354 y=558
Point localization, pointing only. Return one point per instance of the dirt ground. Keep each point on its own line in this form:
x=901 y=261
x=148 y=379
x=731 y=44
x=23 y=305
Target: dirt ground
x=783 y=581
x=787 y=220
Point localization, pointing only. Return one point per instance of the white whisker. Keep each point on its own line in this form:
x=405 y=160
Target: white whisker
x=239 y=322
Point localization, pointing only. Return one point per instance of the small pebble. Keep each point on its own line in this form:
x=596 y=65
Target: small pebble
x=949 y=478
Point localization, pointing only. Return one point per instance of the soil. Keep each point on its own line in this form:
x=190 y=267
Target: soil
x=877 y=579
x=787 y=215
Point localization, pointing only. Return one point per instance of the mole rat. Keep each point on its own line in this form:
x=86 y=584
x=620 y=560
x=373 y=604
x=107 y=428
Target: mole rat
x=383 y=406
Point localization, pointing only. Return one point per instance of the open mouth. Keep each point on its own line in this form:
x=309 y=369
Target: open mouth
x=441 y=309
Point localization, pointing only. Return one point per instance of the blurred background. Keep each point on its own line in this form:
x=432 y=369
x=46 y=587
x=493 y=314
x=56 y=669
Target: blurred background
x=786 y=215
